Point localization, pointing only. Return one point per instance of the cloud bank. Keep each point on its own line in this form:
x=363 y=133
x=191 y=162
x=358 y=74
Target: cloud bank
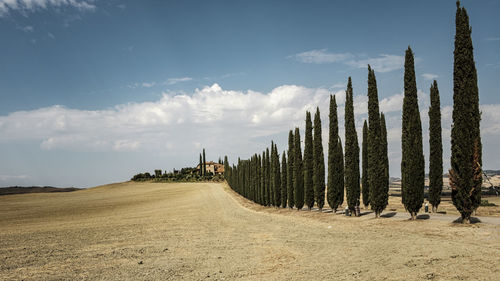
x=235 y=123
x=7 y=6
x=382 y=63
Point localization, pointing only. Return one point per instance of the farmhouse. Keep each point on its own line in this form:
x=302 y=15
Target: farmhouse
x=212 y=167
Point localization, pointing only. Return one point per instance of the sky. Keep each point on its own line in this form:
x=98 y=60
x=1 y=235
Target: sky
x=93 y=91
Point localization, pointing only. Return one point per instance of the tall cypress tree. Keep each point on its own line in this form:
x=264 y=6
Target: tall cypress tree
x=319 y=163
x=298 y=172
x=263 y=179
x=201 y=166
x=226 y=168
x=376 y=167
x=364 y=184
x=335 y=193
x=412 y=160
x=269 y=199
x=289 y=172
x=308 y=163
x=259 y=178
x=436 y=149
x=272 y=188
x=385 y=156
x=284 y=180
x=204 y=164
x=351 y=171
x=277 y=177
x=466 y=147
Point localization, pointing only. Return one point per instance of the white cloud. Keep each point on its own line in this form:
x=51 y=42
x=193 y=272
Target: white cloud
x=493 y=39
x=148 y=85
x=28 y=28
x=226 y=122
x=429 y=76
x=12 y=177
x=172 y=81
x=51 y=35
x=382 y=63
x=320 y=56
x=174 y=118
x=6 y=6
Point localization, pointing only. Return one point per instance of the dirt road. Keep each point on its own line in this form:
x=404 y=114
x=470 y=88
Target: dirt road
x=155 y=231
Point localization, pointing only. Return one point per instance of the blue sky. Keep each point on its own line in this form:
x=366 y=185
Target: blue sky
x=94 y=91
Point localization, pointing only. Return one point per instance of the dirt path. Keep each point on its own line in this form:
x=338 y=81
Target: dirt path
x=149 y=231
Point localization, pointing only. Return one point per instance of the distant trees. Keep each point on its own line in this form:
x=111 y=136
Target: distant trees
x=351 y=170
x=412 y=160
x=376 y=165
x=187 y=174
x=158 y=173
x=319 y=163
x=335 y=192
x=466 y=148
x=298 y=172
x=436 y=149
x=308 y=163
x=364 y=184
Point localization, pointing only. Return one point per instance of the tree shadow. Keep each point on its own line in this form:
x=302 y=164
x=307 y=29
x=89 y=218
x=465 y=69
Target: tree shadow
x=441 y=212
x=388 y=215
x=423 y=217
x=473 y=220
x=365 y=213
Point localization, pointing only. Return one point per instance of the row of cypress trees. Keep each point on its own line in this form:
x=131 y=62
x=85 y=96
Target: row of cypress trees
x=298 y=181
x=300 y=178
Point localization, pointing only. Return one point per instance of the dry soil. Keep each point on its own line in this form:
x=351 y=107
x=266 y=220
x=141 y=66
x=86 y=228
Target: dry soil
x=204 y=231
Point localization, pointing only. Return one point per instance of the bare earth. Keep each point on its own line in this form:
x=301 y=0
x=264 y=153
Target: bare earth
x=204 y=231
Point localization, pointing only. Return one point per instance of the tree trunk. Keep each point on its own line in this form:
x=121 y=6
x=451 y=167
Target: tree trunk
x=413 y=216
x=466 y=218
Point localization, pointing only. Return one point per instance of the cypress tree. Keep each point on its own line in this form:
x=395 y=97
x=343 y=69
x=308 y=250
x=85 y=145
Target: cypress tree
x=319 y=163
x=201 y=166
x=263 y=179
x=364 y=184
x=412 y=160
x=335 y=193
x=277 y=178
x=308 y=163
x=284 y=180
x=204 y=164
x=226 y=168
x=351 y=152
x=289 y=172
x=436 y=149
x=385 y=156
x=298 y=172
x=259 y=178
x=269 y=199
x=376 y=167
x=466 y=147
x=272 y=188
